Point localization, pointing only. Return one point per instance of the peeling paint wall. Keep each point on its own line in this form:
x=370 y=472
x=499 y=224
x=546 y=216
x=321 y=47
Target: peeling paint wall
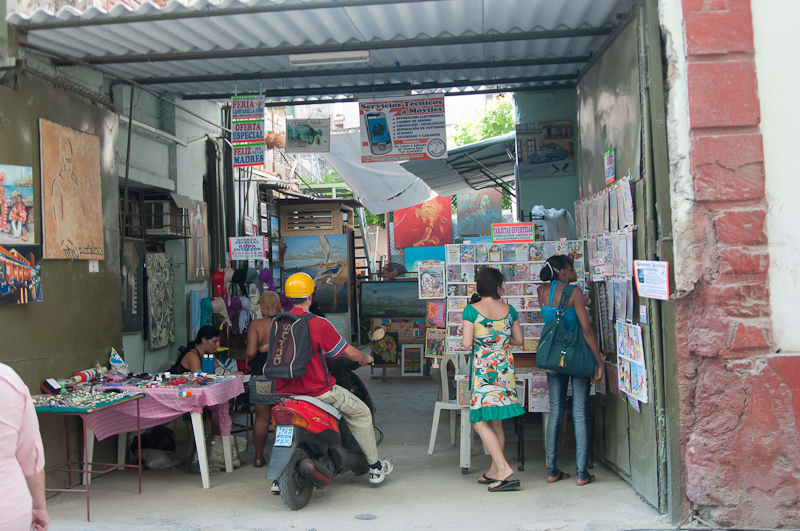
x=738 y=413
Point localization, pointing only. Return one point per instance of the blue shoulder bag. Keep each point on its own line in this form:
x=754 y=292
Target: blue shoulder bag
x=562 y=351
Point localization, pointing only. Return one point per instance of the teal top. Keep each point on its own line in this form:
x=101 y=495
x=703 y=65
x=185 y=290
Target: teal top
x=549 y=312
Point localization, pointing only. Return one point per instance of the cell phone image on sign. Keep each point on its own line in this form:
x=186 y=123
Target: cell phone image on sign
x=380 y=142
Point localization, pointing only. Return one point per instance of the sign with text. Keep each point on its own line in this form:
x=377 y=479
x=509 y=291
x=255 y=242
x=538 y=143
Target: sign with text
x=248 y=155
x=512 y=233
x=249 y=132
x=247 y=108
x=247 y=247
x=411 y=128
x=308 y=136
x=652 y=279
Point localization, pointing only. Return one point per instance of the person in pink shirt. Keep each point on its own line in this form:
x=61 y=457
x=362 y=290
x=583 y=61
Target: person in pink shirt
x=22 y=499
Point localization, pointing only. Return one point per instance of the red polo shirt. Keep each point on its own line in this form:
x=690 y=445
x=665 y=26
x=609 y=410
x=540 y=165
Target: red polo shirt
x=323 y=337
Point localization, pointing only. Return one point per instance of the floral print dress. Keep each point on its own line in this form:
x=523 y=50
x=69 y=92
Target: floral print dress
x=494 y=393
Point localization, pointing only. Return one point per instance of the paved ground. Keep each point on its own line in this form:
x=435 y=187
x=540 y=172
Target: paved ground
x=423 y=492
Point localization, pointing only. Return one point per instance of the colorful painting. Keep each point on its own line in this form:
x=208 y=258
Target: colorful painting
x=431 y=281
x=397 y=298
x=20 y=274
x=415 y=255
x=412 y=361
x=477 y=211
x=386 y=351
x=436 y=312
x=133 y=286
x=325 y=259
x=425 y=225
x=72 y=207
x=435 y=343
x=160 y=283
x=17 y=219
x=197 y=246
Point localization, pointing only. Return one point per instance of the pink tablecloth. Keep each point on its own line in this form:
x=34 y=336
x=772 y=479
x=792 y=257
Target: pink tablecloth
x=160 y=405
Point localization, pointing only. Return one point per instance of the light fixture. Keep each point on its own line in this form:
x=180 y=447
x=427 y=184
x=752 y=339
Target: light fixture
x=328 y=58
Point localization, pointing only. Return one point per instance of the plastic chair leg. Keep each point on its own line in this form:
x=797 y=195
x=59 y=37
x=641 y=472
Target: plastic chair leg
x=437 y=409
x=453 y=427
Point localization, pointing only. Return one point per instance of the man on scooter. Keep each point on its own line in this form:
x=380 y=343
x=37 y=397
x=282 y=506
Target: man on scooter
x=318 y=383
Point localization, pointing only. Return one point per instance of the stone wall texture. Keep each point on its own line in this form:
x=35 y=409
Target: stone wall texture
x=740 y=400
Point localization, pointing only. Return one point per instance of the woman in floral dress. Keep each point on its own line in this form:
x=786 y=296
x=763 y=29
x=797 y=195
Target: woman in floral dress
x=490 y=326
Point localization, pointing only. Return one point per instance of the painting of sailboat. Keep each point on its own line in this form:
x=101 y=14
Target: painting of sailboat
x=325 y=259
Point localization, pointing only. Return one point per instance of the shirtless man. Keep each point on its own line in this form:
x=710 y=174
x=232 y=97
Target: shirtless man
x=260 y=387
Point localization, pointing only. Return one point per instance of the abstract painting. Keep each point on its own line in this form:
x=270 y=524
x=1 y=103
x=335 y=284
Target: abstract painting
x=160 y=281
x=72 y=207
x=424 y=225
x=477 y=211
x=17 y=219
x=132 y=286
x=197 y=246
x=20 y=274
x=325 y=259
x=386 y=351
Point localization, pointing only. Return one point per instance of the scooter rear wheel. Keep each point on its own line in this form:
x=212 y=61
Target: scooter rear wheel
x=295 y=487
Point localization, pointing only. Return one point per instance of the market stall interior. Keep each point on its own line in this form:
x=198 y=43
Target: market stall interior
x=568 y=180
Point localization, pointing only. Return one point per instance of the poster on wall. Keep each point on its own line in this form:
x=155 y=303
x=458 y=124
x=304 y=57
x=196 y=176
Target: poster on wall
x=72 y=207
x=248 y=132
x=308 y=136
x=247 y=247
x=324 y=259
x=20 y=274
x=17 y=219
x=435 y=342
x=431 y=281
x=197 y=268
x=248 y=155
x=425 y=225
x=250 y=107
x=133 y=286
x=478 y=210
x=545 y=149
x=652 y=279
x=410 y=128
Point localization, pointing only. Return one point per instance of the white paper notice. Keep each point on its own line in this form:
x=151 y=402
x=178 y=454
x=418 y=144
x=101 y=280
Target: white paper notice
x=652 y=279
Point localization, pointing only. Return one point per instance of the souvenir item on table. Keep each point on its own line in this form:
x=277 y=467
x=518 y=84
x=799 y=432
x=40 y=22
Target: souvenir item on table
x=117 y=364
x=80 y=398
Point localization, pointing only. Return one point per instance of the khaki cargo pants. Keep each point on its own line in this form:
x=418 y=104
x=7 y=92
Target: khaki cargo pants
x=357 y=416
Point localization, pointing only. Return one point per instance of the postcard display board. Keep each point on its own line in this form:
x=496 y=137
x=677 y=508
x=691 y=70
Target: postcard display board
x=606 y=221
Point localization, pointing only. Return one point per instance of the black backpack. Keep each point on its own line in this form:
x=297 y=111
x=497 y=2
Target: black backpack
x=290 y=347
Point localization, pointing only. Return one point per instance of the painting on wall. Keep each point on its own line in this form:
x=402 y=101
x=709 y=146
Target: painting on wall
x=72 y=207
x=424 y=225
x=17 y=219
x=415 y=255
x=20 y=274
x=545 y=149
x=412 y=360
x=197 y=269
x=386 y=351
x=324 y=258
x=132 y=286
x=160 y=281
x=478 y=210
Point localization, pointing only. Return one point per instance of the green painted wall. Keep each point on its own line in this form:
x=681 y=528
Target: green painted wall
x=80 y=318
x=552 y=192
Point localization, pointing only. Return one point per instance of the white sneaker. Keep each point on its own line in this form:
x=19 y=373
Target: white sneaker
x=377 y=475
x=275 y=489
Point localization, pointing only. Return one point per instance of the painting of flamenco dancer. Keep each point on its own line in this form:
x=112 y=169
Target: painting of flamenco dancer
x=425 y=225
x=325 y=259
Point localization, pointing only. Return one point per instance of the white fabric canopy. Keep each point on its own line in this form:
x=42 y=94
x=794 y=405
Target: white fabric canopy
x=374 y=183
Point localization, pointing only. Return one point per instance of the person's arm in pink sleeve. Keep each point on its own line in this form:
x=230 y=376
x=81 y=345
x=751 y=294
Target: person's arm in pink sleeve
x=30 y=453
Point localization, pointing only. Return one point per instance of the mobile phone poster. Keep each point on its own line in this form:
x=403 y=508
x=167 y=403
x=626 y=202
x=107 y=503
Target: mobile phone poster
x=400 y=129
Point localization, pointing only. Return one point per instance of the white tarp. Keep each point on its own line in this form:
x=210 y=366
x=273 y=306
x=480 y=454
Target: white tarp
x=374 y=184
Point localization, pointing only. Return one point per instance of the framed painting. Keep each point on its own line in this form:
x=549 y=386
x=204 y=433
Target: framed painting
x=412 y=363
x=197 y=268
x=477 y=211
x=18 y=214
x=325 y=259
x=386 y=350
x=425 y=225
x=20 y=275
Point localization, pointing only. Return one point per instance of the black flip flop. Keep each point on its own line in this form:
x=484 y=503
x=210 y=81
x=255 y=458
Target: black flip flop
x=486 y=480
x=505 y=485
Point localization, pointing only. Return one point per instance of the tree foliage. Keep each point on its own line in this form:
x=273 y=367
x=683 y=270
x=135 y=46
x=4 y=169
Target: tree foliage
x=497 y=118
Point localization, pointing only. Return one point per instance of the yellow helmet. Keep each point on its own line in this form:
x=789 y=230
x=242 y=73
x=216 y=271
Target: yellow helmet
x=299 y=286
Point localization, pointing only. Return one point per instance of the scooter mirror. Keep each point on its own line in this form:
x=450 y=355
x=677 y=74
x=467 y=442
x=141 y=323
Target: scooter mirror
x=378 y=334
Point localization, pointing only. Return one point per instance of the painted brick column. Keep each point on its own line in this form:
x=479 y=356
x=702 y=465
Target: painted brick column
x=738 y=428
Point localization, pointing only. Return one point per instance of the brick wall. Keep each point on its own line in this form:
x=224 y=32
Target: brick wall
x=739 y=417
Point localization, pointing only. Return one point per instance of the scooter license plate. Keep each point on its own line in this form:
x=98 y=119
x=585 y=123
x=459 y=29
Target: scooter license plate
x=283 y=435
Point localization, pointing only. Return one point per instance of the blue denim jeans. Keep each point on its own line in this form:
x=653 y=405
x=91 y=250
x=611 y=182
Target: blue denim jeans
x=580 y=416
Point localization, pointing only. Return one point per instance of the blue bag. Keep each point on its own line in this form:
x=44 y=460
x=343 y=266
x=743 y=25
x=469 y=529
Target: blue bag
x=562 y=351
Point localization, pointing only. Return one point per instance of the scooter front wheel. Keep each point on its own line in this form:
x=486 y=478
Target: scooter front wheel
x=295 y=487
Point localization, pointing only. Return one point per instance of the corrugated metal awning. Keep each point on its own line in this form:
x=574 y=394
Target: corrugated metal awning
x=485 y=164
x=211 y=50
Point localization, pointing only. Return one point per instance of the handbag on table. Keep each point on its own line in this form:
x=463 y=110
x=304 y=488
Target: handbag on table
x=562 y=351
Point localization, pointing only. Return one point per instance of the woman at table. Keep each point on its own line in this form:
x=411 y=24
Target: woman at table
x=22 y=498
x=490 y=326
x=256 y=354
x=557 y=273
x=190 y=359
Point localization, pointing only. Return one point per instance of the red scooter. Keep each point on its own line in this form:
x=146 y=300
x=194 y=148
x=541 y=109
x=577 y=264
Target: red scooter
x=313 y=444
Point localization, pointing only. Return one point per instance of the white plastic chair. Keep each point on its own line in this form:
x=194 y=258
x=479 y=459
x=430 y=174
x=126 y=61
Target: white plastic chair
x=445 y=403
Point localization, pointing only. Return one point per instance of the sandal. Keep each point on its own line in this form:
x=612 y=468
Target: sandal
x=588 y=480
x=559 y=477
x=505 y=485
x=486 y=480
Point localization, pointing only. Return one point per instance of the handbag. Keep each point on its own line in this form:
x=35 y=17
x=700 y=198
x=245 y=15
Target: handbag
x=562 y=351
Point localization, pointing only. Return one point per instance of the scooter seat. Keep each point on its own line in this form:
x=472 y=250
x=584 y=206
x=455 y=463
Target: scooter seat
x=320 y=404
